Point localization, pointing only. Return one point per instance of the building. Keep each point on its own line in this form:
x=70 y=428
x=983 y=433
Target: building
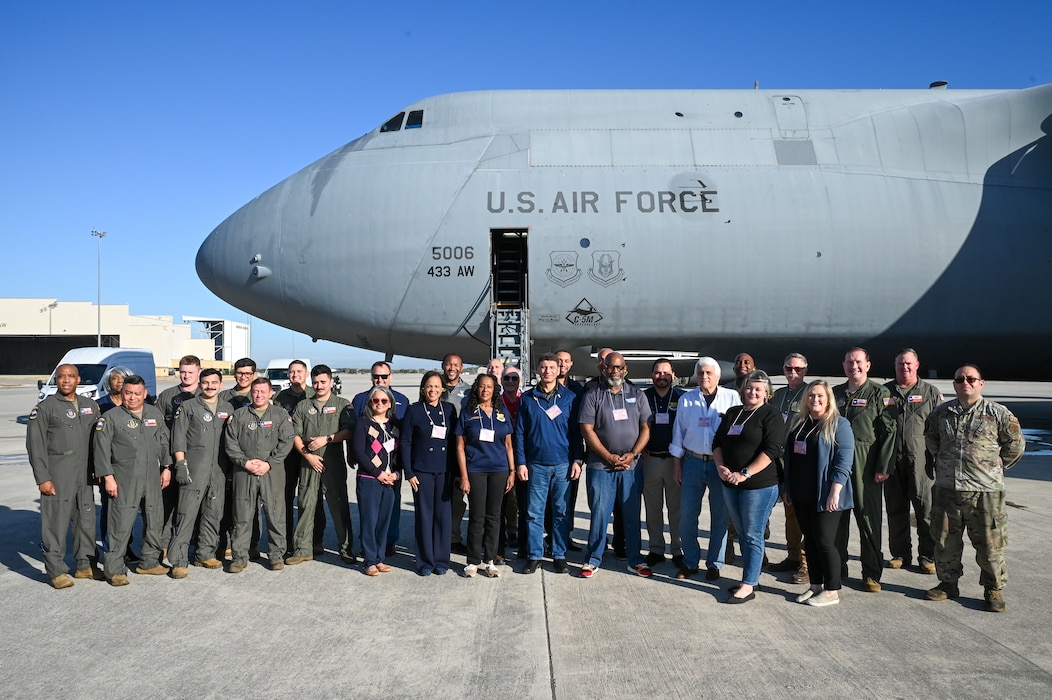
x=36 y=333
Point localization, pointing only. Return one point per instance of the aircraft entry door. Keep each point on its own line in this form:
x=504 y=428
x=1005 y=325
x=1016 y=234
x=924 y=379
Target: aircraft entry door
x=509 y=313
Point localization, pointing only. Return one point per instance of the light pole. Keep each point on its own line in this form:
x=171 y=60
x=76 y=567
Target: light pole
x=100 y=235
x=49 y=308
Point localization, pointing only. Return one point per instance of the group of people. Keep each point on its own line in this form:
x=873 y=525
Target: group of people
x=200 y=463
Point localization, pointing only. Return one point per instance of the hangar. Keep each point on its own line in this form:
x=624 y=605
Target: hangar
x=36 y=333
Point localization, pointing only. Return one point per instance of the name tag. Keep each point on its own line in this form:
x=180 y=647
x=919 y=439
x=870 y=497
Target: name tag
x=858 y=402
x=915 y=399
x=620 y=414
x=800 y=447
x=150 y=423
x=438 y=432
x=389 y=445
x=266 y=424
x=486 y=435
x=735 y=430
x=630 y=400
x=704 y=422
x=553 y=412
x=85 y=411
x=223 y=415
x=660 y=419
x=328 y=409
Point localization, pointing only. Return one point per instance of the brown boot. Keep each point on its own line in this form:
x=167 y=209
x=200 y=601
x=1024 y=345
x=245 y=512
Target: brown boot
x=61 y=581
x=995 y=602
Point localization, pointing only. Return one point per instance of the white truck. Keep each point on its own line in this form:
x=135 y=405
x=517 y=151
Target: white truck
x=94 y=365
x=277 y=372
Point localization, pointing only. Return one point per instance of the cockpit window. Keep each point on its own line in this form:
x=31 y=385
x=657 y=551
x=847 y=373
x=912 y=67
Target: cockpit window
x=416 y=118
x=394 y=123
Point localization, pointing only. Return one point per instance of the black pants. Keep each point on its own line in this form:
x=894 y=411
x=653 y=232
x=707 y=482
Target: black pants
x=824 y=565
x=485 y=503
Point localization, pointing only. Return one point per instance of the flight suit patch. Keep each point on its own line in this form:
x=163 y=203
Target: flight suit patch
x=150 y=423
x=207 y=418
x=132 y=423
x=70 y=413
x=34 y=413
x=101 y=424
x=86 y=411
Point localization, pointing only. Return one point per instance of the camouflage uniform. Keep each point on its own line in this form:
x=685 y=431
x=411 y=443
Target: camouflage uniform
x=874 y=428
x=972 y=447
x=908 y=483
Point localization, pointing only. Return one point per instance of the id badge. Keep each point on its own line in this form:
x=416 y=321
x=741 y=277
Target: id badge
x=704 y=422
x=735 y=430
x=438 y=432
x=620 y=414
x=487 y=435
x=553 y=412
x=660 y=419
x=389 y=445
x=800 y=447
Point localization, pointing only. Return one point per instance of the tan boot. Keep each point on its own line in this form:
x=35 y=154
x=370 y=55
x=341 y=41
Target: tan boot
x=995 y=602
x=178 y=572
x=212 y=563
x=61 y=581
x=119 y=580
x=158 y=570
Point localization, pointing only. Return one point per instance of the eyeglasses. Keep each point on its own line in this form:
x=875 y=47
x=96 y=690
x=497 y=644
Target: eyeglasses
x=244 y=374
x=617 y=368
x=970 y=380
x=381 y=376
x=797 y=370
x=381 y=402
x=510 y=378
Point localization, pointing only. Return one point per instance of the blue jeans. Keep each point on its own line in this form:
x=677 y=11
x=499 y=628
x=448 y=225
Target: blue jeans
x=750 y=509
x=548 y=482
x=376 y=502
x=699 y=475
x=604 y=487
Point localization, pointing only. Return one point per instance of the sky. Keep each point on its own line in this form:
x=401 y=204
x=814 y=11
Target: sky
x=155 y=121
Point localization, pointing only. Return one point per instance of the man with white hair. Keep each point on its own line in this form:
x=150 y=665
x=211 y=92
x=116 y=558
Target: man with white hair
x=700 y=411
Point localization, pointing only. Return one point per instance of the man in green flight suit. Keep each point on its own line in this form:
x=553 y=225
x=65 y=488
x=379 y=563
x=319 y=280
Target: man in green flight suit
x=867 y=406
x=58 y=439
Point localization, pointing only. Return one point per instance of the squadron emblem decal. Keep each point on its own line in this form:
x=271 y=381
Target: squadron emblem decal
x=606 y=267
x=563 y=269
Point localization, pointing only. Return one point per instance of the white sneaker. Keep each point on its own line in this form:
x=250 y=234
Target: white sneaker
x=470 y=570
x=807 y=595
x=491 y=570
x=820 y=600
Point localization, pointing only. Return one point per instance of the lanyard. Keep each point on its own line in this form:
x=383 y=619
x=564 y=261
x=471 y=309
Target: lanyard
x=786 y=403
x=809 y=432
x=482 y=423
x=751 y=411
x=427 y=412
x=657 y=399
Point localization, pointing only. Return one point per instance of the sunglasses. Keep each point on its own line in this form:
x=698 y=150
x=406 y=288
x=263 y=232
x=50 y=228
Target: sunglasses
x=798 y=370
x=510 y=378
x=381 y=376
x=970 y=380
x=381 y=402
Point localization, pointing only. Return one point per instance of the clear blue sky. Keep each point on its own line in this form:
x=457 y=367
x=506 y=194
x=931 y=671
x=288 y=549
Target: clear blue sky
x=155 y=121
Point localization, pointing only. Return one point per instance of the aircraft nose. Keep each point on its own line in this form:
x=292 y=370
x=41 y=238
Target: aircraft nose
x=238 y=261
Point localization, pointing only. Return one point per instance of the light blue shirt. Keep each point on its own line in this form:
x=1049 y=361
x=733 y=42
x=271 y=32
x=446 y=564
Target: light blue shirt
x=697 y=421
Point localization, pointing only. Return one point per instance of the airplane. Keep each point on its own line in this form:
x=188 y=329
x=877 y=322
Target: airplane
x=702 y=221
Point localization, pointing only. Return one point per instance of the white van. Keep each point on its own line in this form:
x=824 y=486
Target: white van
x=277 y=372
x=94 y=365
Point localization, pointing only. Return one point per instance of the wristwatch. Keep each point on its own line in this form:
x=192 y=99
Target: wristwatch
x=328 y=439
x=745 y=472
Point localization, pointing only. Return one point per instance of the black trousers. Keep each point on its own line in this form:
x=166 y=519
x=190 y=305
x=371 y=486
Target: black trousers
x=485 y=504
x=824 y=565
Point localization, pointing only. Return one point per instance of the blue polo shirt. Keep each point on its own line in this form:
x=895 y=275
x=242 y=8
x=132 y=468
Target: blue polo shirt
x=484 y=456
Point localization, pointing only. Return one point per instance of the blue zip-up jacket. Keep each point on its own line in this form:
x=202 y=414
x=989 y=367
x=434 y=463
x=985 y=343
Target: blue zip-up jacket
x=539 y=439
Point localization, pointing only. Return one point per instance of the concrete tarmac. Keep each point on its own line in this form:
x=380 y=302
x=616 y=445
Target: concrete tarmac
x=324 y=629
